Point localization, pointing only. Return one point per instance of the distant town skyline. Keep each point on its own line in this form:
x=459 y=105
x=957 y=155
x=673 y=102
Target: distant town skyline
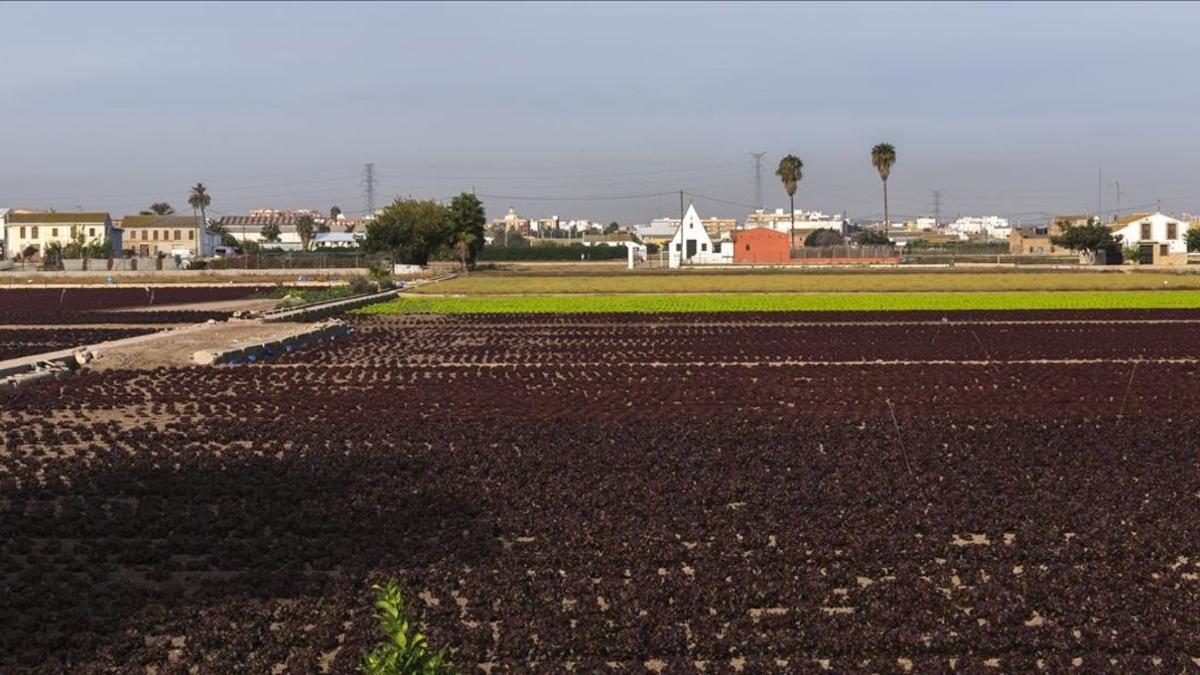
x=600 y=111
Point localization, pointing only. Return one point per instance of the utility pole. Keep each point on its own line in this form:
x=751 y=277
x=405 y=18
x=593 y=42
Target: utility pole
x=1117 y=213
x=369 y=188
x=758 y=178
x=937 y=209
x=1099 y=191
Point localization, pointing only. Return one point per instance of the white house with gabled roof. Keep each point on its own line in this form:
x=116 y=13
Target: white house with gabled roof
x=691 y=244
x=1156 y=228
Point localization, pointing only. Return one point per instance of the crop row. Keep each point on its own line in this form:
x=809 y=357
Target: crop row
x=87 y=305
x=649 y=303
x=16 y=342
x=416 y=341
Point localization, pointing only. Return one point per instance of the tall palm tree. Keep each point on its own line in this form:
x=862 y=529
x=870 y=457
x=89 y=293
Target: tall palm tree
x=790 y=171
x=883 y=156
x=199 y=199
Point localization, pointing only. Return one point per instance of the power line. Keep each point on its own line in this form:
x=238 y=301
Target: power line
x=719 y=201
x=593 y=198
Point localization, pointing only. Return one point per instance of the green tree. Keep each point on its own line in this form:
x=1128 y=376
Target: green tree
x=199 y=199
x=467 y=217
x=790 y=171
x=270 y=232
x=334 y=212
x=410 y=230
x=305 y=229
x=824 y=237
x=1086 y=239
x=872 y=238
x=1193 y=239
x=883 y=156
x=159 y=209
x=612 y=228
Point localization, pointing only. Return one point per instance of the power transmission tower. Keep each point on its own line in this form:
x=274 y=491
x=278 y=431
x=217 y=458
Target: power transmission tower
x=937 y=208
x=758 y=178
x=369 y=188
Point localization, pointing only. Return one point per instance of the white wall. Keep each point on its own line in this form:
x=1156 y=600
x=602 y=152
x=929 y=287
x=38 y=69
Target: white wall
x=692 y=230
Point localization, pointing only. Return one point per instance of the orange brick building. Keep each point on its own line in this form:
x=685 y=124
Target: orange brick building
x=760 y=245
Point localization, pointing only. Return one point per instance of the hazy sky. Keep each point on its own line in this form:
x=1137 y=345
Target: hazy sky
x=1006 y=108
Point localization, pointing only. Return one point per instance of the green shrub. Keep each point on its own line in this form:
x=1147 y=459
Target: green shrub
x=404 y=651
x=362 y=285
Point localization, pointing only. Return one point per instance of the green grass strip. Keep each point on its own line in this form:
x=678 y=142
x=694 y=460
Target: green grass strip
x=780 y=302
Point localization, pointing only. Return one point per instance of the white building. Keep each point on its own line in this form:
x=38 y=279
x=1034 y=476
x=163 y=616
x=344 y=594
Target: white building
x=23 y=229
x=691 y=244
x=1158 y=228
x=781 y=220
x=992 y=227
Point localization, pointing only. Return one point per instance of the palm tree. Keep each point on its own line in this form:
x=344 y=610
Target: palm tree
x=159 y=209
x=790 y=171
x=305 y=228
x=199 y=199
x=883 y=156
x=463 y=242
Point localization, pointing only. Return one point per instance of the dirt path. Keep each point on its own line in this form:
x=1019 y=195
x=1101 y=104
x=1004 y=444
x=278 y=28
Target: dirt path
x=176 y=348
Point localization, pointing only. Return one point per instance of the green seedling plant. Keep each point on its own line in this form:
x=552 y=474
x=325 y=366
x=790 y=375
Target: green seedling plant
x=404 y=651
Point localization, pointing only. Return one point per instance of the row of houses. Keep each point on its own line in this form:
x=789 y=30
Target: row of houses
x=28 y=232
x=1136 y=229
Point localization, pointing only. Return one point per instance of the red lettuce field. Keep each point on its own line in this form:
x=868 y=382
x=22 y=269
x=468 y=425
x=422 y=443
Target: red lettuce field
x=753 y=493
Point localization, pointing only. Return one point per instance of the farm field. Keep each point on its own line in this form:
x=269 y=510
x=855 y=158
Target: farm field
x=96 y=305
x=651 y=303
x=709 y=492
x=810 y=281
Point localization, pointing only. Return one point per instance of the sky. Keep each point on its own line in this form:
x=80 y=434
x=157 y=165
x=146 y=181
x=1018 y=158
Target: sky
x=601 y=111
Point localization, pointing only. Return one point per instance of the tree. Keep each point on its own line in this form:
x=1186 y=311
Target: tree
x=1086 y=239
x=158 y=209
x=467 y=217
x=410 y=230
x=613 y=228
x=790 y=171
x=1193 y=239
x=464 y=242
x=334 y=212
x=305 y=228
x=824 y=237
x=872 y=238
x=270 y=232
x=883 y=156
x=199 y=199
x=216 y=227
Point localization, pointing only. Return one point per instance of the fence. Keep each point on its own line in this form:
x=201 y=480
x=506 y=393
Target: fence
x=849 y=253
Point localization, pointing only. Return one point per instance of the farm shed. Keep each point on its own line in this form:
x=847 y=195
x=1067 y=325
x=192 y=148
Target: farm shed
x=760 y=245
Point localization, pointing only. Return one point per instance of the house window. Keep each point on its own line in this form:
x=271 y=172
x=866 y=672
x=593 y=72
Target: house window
x=73 y=230
x=1145 y=230
x=191 y=235
x=91 y=231
x=676 y=247
x=1171 y=232
x=22 y=231
x=703 y=247
x=54 y=232
x=747 y=247
x=178 y=236
x=1163 y=249
x=34 y=234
